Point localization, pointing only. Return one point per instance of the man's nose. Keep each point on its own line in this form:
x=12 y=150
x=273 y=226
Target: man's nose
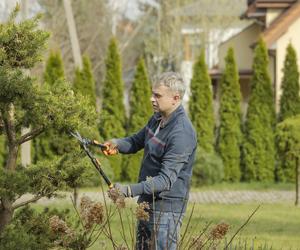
x=152 y=99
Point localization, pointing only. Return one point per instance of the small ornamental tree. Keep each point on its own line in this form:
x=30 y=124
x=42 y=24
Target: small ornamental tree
x=140 y=111
x=113 y=119
x=24 y=103
x=230 y=135
x=259 y=143
x=201 y=106
x=84 y=82
x=288 y=142
x=289 y=106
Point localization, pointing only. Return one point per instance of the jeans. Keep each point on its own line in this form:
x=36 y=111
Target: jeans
x=161 y=232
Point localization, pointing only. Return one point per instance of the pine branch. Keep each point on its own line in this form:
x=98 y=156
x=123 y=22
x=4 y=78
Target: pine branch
x=33 y=199
x=30 y=135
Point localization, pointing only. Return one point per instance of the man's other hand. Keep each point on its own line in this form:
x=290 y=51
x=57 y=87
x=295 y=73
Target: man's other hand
x=111 y=148
x=124 y=189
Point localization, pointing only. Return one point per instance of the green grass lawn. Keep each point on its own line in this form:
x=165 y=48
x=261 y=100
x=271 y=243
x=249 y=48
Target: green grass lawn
x=258 y=186
x=276 y=225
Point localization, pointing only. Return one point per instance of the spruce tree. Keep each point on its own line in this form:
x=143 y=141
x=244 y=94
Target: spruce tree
x=289 y=106
x=140 y=111
x=259 y=145
x=230 y=135
x=201 y=106
x=112 y=117
x=84 y=82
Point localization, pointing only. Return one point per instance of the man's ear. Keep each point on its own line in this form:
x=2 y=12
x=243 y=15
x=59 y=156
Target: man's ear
x=177 y=97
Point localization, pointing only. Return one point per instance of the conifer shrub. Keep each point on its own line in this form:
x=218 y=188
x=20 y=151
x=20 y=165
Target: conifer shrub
x=229 y=131
x=259 y=142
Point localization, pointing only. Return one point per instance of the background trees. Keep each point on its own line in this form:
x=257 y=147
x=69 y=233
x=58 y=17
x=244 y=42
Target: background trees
x=112 y=123
x=289 y=107
x=259 y=145
x=200 y=105
x=230 y=134
x=140 y=112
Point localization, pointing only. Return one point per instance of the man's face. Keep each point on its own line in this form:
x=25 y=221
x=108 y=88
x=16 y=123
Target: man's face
x=163 y=99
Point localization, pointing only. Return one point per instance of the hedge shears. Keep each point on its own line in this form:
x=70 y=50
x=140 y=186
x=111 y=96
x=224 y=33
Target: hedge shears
x=84 y=142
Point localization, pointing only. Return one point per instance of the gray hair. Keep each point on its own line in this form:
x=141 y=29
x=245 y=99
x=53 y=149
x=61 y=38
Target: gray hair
x=172 y=80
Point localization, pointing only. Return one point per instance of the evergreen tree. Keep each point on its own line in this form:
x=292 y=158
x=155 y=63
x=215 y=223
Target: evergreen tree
x=140 y=111
x=290 y=100
x=25 y=103
x=229 y=138
x=201 y=106
x=289 y=106
x=54 y=68
x=84 y=82
x=112 y=120
x=288 y=144
x=259 y=145
x=45 y=146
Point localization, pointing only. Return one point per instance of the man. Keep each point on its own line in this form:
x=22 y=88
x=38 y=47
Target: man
x=169 y=143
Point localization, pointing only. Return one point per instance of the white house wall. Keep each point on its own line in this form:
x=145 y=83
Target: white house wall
x=241 y=43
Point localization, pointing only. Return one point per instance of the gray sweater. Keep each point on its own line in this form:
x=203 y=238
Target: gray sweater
x=166 y=168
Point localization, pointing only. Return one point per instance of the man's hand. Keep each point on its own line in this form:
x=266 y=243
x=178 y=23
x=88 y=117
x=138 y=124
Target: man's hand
x=111 y=148
x=124 y=189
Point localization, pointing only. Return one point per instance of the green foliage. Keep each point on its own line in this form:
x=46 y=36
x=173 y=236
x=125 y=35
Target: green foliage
x=21 y=43
x=201 y=106
x=258 y=147
x=208 y=168
x=84 y=82
x=112 y=121
x=25 y=103
x=288 y=144
x=289 y=106
x=290 y=100
x=30 y=230
x=230 y=135
x=44 y=147
x=140 y=111
x=54 y=68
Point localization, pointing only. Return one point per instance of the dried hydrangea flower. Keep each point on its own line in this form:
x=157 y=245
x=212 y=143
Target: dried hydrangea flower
x=219 y=231
x=58 y=225
x=91 y=212
x=142 y=211
x=117 y=197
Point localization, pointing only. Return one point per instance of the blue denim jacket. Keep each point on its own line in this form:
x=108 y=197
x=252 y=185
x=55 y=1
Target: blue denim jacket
x=166 y=168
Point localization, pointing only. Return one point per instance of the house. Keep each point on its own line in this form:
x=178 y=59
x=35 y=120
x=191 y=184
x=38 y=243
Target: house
x=277 y=22
x=207 y=23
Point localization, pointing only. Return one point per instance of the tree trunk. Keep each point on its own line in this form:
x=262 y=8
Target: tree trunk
x=297 y=182
x=73 y=34
x=6 y=213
